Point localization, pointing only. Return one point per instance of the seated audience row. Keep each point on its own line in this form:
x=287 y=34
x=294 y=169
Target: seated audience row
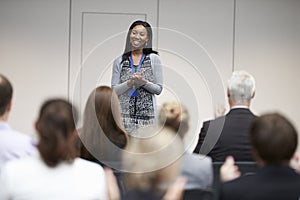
x=155 y=166
x=68 y=177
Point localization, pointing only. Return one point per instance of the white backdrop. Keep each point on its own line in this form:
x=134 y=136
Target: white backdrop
x=46 y=44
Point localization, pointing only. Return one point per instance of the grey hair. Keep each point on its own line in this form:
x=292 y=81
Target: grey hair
x=241 y=87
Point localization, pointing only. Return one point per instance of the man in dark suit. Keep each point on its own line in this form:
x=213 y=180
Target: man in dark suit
x=274 y=141
x=228 y=135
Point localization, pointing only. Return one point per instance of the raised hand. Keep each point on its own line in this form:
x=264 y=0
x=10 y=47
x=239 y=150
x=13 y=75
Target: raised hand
x=228 y=170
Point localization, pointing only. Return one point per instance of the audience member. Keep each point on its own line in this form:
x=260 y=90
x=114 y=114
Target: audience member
x=102 y=134
x=196 y=168
x=56 y=173
x=13 y=144
x=228 y=135
x=153 y=164
x=274 y=141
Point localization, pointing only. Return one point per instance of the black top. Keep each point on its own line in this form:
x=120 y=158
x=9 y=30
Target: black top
x=269 y=183
x=141 y=195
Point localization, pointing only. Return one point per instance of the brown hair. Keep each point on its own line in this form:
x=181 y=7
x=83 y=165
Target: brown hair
x=174 y=115
x=6 y=92
x=55 y=127
x=101 y=124
x=274 y=138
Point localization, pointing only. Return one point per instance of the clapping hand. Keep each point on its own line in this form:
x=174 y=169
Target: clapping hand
x=219 y=110
x=137 y=80
x=229 y=171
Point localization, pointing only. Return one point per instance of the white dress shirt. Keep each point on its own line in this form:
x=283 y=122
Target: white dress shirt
x=31 y=179
x=14 y=144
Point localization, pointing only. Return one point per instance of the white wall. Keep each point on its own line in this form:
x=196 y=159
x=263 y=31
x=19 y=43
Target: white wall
x=195 y=42
x=34 y=37
x=268 y=46
x=200 y=42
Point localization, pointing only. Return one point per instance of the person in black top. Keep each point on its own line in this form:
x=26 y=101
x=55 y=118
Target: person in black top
x=228 y=135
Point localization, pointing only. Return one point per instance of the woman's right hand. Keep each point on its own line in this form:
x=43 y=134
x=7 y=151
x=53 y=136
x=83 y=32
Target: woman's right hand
x=130 y=82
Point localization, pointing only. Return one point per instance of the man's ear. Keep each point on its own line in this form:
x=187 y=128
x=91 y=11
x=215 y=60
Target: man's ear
x=36 y=124
x=228 y=93
x=253 y=95
x=8 y=107
x=257 y=158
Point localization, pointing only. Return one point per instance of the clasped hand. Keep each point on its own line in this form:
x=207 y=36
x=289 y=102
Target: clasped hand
x=137 y=80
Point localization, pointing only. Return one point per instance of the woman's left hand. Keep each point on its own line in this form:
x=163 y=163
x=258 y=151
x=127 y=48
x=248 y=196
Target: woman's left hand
x=139 y=79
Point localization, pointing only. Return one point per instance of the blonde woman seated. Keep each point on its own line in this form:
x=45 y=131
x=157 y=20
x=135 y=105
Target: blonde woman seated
x=56 y=173
x=153 y=165
x=197 y=168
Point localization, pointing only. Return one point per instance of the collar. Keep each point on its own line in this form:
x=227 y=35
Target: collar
x=240 y=106
x=4 y=125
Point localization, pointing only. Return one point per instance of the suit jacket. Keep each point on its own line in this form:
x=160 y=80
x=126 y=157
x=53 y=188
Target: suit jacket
x=270 y=182
x=198 y=170
x=227 y=135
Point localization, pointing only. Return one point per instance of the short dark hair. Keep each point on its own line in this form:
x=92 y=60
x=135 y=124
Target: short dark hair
x=147 y=49
x=274 y=138
x=6 y=92
x=55 y=125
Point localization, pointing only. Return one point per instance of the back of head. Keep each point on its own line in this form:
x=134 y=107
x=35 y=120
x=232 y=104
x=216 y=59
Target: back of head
x=6 y=92
x=55 y=127
x=175 y=116
x=274 y=138
x=241 y=87
x=153 y=162
x=107 y=109
x=102 y=127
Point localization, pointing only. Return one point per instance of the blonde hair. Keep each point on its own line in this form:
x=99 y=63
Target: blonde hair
x=154 y=162
x=175 y=116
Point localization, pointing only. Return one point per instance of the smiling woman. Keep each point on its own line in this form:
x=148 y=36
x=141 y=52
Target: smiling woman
x=137 y=77
x=138 y=37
